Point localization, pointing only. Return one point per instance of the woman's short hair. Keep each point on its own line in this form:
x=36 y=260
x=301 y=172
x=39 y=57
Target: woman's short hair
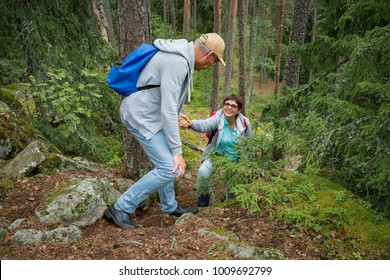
x=236 y=98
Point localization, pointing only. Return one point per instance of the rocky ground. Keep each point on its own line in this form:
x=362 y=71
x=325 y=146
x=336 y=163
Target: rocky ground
x=158 y=237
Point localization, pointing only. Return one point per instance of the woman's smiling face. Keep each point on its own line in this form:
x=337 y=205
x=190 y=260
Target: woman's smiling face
x=230 y=108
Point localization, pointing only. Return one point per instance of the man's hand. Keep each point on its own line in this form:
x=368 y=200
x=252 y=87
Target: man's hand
x=180 y=165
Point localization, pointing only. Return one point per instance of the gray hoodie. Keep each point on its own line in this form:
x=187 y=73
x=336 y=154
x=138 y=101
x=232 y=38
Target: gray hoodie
x=153 y=109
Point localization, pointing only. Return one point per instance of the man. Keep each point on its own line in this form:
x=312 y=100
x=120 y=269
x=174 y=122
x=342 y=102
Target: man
x=151 y=115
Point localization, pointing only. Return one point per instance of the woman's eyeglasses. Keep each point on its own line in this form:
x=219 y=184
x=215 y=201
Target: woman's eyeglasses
x=227 y=105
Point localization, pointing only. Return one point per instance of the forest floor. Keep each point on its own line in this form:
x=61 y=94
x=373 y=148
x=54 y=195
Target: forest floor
x=154 y=237
x=103 y=240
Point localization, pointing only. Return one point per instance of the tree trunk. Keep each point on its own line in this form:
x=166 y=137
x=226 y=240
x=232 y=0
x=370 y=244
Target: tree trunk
x=173 y=18
x=252 y=51
x=265 y=48
x=216 y=70
x=194 y=15
x=230 y=47
x=225 y=18
x=165 y=19
x=134 y=29
x=313 y=38
x=241 y=14
x=97 y=13
x=186 y=19
x=297 y=36
x=278 y=48
x=110 y=26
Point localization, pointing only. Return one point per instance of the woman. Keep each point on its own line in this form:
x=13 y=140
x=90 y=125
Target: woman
x=224 y=128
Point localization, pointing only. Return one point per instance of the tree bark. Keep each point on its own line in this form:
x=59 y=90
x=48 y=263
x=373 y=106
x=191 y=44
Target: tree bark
x=186 y=19
x=100 y=18
x=278 y=48
x=134 y=29
x=194 y=15
x=173 y=17
x=252 y=50
x=230 y=47
x=297 y=36
x=265 y=47
x=110 y=26
x=241 y=14
x=165 y=19
x=216 y=70
x=313 y=38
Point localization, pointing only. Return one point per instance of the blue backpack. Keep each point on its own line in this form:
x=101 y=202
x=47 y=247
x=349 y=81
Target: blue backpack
x=123 y=75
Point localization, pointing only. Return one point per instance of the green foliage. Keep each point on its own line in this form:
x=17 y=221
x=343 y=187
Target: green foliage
x=303 y=201
x=340 y=124
x=42 y=36
x=77 y=113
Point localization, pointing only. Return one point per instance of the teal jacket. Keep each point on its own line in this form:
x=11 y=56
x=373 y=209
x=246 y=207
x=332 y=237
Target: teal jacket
x=217 y=121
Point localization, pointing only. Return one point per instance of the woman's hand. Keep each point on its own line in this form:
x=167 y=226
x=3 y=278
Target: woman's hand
x=184 y=122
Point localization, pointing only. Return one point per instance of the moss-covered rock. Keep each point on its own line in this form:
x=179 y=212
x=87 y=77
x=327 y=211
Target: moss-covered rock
x=29 y=237
x=58 y=162
x=77 y=201
x=218 y=234
x=241 y=251
x=26 y=162
x=64 y=234
x=32 y=237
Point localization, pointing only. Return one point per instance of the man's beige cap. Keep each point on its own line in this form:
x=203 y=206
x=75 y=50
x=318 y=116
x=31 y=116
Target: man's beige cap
x=215 y=43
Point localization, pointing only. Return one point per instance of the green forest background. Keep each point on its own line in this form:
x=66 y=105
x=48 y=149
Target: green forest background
x=54 y=61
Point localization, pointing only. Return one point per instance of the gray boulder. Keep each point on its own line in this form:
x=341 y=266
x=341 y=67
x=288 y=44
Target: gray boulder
x=64 y=234
x=240 y=251
x=32 y=237
x=77 y=201
x=57 y=162
x=218 y=234
x=16 y=224
x=26 y=161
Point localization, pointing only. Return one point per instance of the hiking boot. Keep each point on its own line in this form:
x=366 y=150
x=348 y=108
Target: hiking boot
x=203 y=200
x=119 y=217
x=181 y=210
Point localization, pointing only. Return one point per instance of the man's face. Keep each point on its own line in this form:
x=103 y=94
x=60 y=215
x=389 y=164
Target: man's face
x=205 y=61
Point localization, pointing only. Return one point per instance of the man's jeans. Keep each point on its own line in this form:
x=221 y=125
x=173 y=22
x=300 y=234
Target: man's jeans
x=159 y=179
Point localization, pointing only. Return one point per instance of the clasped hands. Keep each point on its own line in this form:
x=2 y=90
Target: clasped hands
x=184 y=122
